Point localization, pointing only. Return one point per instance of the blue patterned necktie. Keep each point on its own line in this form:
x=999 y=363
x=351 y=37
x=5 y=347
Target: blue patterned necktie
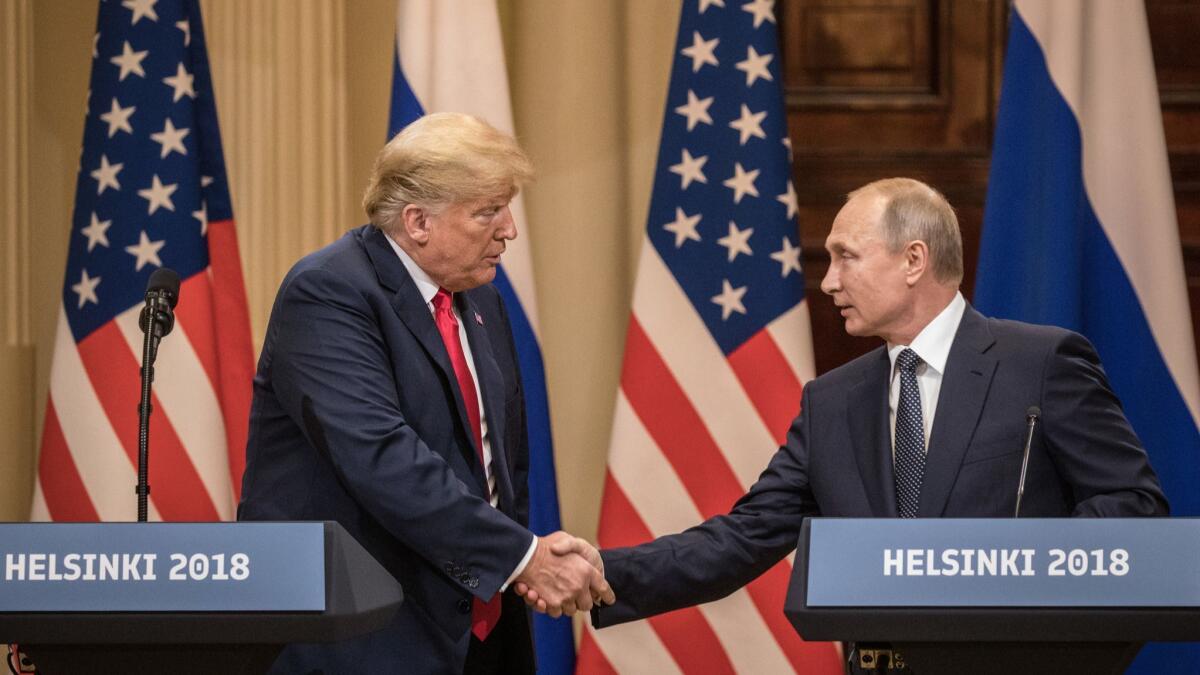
x=910 y=437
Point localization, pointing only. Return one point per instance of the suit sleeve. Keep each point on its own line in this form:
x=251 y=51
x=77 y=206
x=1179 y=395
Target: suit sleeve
x=332 y=372
x=1090 y=441
x=724 y=553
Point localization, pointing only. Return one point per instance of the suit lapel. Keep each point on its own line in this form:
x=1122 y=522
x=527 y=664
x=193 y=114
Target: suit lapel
x=867 y=413
x=965 y=383
x=410 y=307
x=491 y=384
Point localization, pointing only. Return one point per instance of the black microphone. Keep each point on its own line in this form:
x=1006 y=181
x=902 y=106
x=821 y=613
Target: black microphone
x=157 y=319
x=162 y=294
x=1031 y=419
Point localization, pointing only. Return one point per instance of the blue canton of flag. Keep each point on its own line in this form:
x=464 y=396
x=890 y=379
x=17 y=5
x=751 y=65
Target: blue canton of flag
x=147 y=188
x=723 y=214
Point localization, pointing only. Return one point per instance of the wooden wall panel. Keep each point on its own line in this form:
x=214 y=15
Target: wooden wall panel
x=1174 y=26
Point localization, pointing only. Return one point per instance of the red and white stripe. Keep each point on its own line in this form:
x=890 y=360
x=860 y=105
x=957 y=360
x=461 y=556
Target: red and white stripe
x=692 y=431
x=201 y=397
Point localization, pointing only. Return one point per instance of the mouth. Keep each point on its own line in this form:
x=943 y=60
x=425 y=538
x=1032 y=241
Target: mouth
x=844 y=310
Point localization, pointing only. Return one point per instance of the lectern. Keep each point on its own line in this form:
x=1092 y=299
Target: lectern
x=184 y=597
x=1023 y=596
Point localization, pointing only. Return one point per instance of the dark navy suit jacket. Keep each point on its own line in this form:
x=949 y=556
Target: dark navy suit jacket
x=1085 y=461
x=357 y=418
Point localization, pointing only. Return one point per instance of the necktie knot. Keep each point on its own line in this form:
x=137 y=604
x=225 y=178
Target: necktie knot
x=442 y=301
x=908 y=361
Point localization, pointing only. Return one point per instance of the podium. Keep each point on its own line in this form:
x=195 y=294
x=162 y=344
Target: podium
x=1027 y=596
x=184 y=597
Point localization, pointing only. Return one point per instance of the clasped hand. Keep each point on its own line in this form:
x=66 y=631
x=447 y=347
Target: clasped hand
x=565 y=575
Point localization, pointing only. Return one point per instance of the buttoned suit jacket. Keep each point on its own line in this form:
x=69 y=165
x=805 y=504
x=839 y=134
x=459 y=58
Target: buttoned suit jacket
x=357 y=417
x=1085 y=460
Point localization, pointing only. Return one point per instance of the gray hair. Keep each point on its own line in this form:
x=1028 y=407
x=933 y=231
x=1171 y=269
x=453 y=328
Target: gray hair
x=916 y=211
x=443 y=159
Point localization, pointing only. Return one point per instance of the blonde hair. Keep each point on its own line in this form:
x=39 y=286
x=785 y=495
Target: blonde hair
x=916 y=211
x=443 y=159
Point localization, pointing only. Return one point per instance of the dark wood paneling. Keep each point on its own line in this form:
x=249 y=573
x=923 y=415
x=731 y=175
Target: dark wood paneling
x=878 y=88
x=1174 y=29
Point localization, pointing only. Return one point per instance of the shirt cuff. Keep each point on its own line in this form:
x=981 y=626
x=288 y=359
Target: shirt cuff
x=521 y=565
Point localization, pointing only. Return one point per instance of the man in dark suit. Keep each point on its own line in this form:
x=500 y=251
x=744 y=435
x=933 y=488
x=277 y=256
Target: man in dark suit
x=388 y=399
x=928 y=425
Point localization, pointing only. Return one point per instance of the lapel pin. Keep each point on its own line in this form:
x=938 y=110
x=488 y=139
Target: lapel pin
x=478 y=319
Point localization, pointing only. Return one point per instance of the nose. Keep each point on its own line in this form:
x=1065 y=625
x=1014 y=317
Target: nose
x=508 y=226
x=831 y=283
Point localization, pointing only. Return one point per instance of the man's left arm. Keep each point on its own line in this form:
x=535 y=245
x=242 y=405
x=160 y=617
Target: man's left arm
x=1091 y=442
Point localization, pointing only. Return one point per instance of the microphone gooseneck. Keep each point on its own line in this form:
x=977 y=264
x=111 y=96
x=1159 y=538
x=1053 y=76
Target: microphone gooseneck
x=1031 y=419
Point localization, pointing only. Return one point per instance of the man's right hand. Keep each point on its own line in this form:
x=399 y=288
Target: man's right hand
x=564 y=576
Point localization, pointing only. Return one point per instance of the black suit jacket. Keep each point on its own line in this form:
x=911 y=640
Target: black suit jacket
x=357 y=418
x=1085 y=461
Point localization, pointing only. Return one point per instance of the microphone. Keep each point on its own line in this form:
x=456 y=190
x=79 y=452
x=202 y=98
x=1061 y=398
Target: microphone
x=157 y=320
x=162 y=294
x=1031 y=419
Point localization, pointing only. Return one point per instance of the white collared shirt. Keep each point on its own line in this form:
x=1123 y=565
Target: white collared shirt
x=429 y=288
x=932 y=344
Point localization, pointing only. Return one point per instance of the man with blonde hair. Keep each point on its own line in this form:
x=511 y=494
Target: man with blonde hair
x=929 y=424
x=388 y=398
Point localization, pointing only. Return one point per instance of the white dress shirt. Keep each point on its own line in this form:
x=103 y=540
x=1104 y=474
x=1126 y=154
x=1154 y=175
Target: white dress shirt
x=429 y=288
x=932 y=344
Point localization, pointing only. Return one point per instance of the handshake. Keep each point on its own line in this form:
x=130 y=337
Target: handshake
x=564 y=576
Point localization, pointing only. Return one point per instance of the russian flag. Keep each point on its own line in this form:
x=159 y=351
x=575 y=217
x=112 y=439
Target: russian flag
x=449 y=57
x=1080 y=228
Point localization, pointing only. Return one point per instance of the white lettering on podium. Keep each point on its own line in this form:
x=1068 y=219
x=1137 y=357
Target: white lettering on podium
x=37 y=567
x=14 y=564
x=952 y=562
x=892 y=561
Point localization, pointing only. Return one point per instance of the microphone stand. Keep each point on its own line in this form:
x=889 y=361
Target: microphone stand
x=156 y=320
x=149 y=353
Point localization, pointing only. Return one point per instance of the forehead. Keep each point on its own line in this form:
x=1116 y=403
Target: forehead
x=858 y=221
x=487 y=201
x=468 y=207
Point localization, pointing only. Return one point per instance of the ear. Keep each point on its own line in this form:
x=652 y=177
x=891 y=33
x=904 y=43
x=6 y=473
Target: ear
x=414 y=220
x=916 y=261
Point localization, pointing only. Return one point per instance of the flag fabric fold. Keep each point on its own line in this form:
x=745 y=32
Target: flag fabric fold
x=450 y=58
x=1080 y=228
x=151 y=192
x=718 y=346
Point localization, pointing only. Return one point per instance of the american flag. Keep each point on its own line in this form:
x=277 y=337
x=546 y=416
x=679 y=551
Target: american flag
x=151 y=192
x=718 y=346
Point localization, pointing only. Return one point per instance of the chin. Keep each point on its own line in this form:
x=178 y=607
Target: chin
x=484 y=278
x=854 y=329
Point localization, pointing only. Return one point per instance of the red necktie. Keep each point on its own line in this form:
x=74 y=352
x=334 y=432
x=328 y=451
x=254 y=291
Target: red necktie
x=484 y=615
